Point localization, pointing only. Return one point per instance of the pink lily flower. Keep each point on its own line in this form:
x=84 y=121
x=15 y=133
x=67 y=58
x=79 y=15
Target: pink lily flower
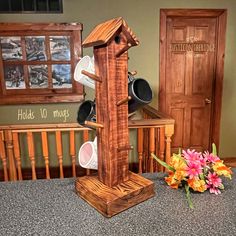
x=191 y=155
x=210 y=157
x=193 y=169
x=213 y=180
x=213 y=183
x=216 y=191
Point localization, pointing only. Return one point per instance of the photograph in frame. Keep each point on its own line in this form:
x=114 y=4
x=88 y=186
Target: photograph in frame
x=35 y=48
x=61 y=76
x=14 y=77
x=38 y=76
x=60 y=48
x=11 y=48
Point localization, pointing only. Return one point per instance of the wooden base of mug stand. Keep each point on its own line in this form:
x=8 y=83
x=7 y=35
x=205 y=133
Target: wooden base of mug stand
x=110 y=201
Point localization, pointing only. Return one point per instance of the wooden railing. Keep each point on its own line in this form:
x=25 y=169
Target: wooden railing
x=153 y=136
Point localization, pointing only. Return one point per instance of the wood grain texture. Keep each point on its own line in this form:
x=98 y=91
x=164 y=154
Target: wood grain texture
x=112 y=164
x=44 y=138
x=140 y=149
x=3 y=156
x=205 y=69
x=222 y=21
x=73 y=152
x=12 y=134
x=31 y=151
x=85 y=139
x=59 y=152
x=10 y=154
x=16 y=148
x=40 y=26
x=104 y=32
x=50 y=94
x=110 y=201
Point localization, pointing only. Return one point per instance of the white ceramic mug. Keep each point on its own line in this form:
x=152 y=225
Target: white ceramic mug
x=86 y=63
x=87 y=156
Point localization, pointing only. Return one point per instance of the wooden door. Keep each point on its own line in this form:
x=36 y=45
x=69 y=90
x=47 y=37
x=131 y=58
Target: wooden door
x=188 y=87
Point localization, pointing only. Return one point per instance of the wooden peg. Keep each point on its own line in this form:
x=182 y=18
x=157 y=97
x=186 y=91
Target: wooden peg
x=124 y=148
x=124 y=100
x=93 y=124
x=124 y=49
x=91 y=76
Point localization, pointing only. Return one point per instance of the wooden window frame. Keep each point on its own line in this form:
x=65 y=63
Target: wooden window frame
x=35 y=9
x=27 y=94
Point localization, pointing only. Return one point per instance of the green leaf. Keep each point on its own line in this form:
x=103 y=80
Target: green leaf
x=214 y=151
x=190 y=203
x=202 y=176
x=163 y=163
x=180 y=151
x=179 y=157
x=221 y=187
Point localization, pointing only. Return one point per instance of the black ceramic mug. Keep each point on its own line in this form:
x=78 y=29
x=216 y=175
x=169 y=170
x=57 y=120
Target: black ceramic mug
x=86 y=112
x=140 y=92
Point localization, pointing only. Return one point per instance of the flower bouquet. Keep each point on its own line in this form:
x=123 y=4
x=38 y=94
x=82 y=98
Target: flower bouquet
x=197 y=171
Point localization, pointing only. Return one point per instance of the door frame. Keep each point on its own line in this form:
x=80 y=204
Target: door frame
x=221 y=16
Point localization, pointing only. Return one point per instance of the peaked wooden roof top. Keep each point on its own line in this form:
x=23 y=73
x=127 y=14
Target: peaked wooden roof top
x=103 y=32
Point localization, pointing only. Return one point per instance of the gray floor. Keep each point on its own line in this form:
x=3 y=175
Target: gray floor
x=52 y=208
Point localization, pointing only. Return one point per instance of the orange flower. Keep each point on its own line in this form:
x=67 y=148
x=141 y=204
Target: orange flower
x=171 y=181
x=174 y=179
x=197 y=184
x=220 y=169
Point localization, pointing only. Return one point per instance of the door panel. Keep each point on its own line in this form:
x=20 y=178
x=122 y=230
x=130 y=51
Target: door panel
x=178 y=114
x=197 y=132
x=192 y=47
x=189 y=79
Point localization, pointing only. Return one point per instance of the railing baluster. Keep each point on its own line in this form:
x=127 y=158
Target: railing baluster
x=3 y=156
x=85 y=139
x=59 y=152
x=10 y=155
x=140 y=150
x=44 y=139
x=169 y=131
x=156 y=151
x=161 y=147
x=151 y=147
x=145 y=149
x=31 y=151
x=72 y=151
x=16 y=148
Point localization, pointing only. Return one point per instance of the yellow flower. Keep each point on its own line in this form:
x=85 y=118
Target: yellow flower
x=220 y=169
x=197 y=184
x=177 y=162
x=180 y=174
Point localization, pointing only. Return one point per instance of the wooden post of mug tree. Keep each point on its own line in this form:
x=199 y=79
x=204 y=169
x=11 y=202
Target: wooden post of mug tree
x=115 y=188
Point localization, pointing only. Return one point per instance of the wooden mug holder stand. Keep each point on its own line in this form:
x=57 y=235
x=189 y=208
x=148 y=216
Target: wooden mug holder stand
x=115 y=188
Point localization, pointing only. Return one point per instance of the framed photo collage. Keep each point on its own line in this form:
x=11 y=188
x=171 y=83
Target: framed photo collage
x=38 y=61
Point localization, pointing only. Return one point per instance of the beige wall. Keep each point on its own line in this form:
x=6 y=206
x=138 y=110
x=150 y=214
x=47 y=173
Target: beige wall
x=143 y=17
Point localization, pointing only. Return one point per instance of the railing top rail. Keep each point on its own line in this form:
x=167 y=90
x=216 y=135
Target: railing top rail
x=45 y=126
x=158 y=119
x=153 y=113
x=149 y=123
